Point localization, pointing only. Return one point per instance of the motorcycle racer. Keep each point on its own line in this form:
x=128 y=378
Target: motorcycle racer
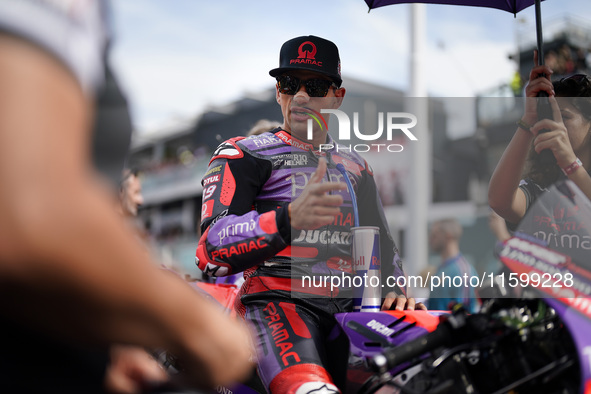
x=276 y=207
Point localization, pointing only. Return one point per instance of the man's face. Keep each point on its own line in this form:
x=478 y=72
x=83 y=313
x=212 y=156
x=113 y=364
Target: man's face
x=131 y=196
x=296 y=108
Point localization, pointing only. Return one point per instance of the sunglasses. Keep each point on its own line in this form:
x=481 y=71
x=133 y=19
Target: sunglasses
x=315 y=87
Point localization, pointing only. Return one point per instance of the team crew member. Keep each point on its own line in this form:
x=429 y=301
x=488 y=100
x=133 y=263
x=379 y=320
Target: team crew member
x=276 y=207
x=567 y=137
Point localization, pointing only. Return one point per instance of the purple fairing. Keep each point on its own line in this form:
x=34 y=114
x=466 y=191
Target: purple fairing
x=369 y=333
x=383 y=326
x=579 y=326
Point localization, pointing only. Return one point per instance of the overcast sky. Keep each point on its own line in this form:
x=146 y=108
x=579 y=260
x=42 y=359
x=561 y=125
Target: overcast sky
x=177 y=57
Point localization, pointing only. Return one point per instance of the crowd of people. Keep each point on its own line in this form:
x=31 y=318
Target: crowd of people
x=85 y=304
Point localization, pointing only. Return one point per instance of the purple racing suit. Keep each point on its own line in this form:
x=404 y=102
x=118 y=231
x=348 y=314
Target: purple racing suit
x=246 y=228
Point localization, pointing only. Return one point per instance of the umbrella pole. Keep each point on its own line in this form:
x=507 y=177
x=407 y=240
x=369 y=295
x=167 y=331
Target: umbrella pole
x=539 y=37
x=544 y=107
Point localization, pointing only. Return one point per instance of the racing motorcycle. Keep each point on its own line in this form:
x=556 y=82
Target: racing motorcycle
x=531 y=335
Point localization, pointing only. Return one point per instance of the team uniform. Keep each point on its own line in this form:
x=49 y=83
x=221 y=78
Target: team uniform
x=531 y=190
x=556 y=223
x=246 y=228
x=76 y=33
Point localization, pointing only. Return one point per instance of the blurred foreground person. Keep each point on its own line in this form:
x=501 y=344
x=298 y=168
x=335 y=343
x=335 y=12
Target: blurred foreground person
x=74 y=280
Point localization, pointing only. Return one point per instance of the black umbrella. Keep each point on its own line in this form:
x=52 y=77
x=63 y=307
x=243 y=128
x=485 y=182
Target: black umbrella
x=513 y=6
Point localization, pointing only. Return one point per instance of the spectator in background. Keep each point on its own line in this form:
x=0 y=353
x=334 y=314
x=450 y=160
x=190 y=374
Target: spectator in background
x=566 y=61
x=262 y=126
x=581 y=60
x=130 y=193
x=516 y=84
x=444 y=238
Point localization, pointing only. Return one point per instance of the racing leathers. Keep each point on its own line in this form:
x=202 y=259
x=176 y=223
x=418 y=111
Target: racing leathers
x=246 y=228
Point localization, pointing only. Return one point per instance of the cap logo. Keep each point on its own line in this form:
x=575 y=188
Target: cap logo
x=304 y=54
x=311 y=54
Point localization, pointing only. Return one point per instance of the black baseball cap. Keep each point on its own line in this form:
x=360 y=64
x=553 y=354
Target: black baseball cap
x=310 y=53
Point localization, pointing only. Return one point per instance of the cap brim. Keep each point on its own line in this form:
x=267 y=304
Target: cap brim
x=281 y=70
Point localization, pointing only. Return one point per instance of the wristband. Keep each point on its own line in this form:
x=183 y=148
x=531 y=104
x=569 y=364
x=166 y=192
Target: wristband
x=572 y=167
x=522 y=125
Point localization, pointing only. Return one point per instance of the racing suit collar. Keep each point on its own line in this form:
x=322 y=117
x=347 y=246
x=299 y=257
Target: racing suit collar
x=289 y=139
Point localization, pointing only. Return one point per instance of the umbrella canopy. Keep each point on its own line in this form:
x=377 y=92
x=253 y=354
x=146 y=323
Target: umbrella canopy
x=513 y=6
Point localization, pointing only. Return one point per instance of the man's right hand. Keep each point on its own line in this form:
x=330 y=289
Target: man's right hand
x=315 y=207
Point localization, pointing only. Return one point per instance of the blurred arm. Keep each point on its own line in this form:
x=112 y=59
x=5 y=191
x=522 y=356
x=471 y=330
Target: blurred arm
x=67 y=262
x=498 y=227
x=504 y=195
